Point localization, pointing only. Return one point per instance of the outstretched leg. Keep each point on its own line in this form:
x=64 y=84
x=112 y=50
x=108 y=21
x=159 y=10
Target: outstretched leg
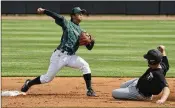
x=57 y=61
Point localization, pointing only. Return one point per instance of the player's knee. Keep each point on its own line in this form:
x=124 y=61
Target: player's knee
x=85 y=68
x=115 y=94
x=85 y=64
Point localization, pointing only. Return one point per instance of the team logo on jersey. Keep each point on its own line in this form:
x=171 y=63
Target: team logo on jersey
x=149 y=76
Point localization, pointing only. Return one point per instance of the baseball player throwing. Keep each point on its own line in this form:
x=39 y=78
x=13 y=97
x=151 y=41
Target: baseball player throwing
x=64 y=55
x=152 y=82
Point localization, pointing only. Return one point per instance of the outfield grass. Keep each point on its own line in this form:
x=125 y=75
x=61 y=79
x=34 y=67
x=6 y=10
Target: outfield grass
x=28 y=44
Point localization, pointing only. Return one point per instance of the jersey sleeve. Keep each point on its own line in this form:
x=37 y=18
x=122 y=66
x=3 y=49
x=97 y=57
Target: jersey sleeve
x=60 y=20
x=165 y=64
x=163 y=82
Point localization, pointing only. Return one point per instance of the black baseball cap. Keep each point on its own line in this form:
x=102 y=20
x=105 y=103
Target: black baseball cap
x=76 y=10
x=153 y=56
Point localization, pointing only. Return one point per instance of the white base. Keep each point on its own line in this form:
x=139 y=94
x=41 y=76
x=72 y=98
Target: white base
x=12 y=93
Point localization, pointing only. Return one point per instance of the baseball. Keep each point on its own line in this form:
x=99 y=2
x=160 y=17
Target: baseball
x=40 y=10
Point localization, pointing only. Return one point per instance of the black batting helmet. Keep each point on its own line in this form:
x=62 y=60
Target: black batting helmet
x=153 y=56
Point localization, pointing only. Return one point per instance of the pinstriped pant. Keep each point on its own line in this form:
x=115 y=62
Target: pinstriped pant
x=128 y=90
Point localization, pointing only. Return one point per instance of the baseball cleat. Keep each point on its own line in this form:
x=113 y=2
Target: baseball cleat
x=90 y=92
x=25 y=87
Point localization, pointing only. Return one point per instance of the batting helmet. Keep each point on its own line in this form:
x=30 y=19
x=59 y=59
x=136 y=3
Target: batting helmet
x=153 y=56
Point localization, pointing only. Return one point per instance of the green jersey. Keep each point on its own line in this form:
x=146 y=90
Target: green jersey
x=71 y=33
x=70 y=37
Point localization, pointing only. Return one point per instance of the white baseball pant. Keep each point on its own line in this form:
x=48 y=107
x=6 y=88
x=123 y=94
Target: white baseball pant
x=58 y=60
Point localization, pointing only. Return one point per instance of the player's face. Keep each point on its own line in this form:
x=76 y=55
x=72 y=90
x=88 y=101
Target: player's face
x=78 y=17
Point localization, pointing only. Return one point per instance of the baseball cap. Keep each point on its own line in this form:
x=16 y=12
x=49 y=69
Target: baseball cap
x=153 y=56
x=76 y=10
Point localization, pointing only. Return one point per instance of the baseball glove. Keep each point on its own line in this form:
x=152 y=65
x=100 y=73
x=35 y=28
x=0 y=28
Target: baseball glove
x=85 y=38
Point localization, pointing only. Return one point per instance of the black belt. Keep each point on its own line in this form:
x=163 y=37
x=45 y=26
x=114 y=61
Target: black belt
x=68 y=53
x=60 y=50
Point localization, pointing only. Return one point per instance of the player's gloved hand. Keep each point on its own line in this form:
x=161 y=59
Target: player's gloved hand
x=160 y=101
x=40 y=10
x=85 y=38
x=91 y=38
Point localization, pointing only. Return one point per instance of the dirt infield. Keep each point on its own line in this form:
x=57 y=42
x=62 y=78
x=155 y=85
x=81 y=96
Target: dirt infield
x=95 y=17
x=70 y=92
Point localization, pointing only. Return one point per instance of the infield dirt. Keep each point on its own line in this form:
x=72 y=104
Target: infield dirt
x=70 y=92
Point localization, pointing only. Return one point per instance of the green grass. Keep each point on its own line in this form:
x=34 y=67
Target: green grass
x=28 y=44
